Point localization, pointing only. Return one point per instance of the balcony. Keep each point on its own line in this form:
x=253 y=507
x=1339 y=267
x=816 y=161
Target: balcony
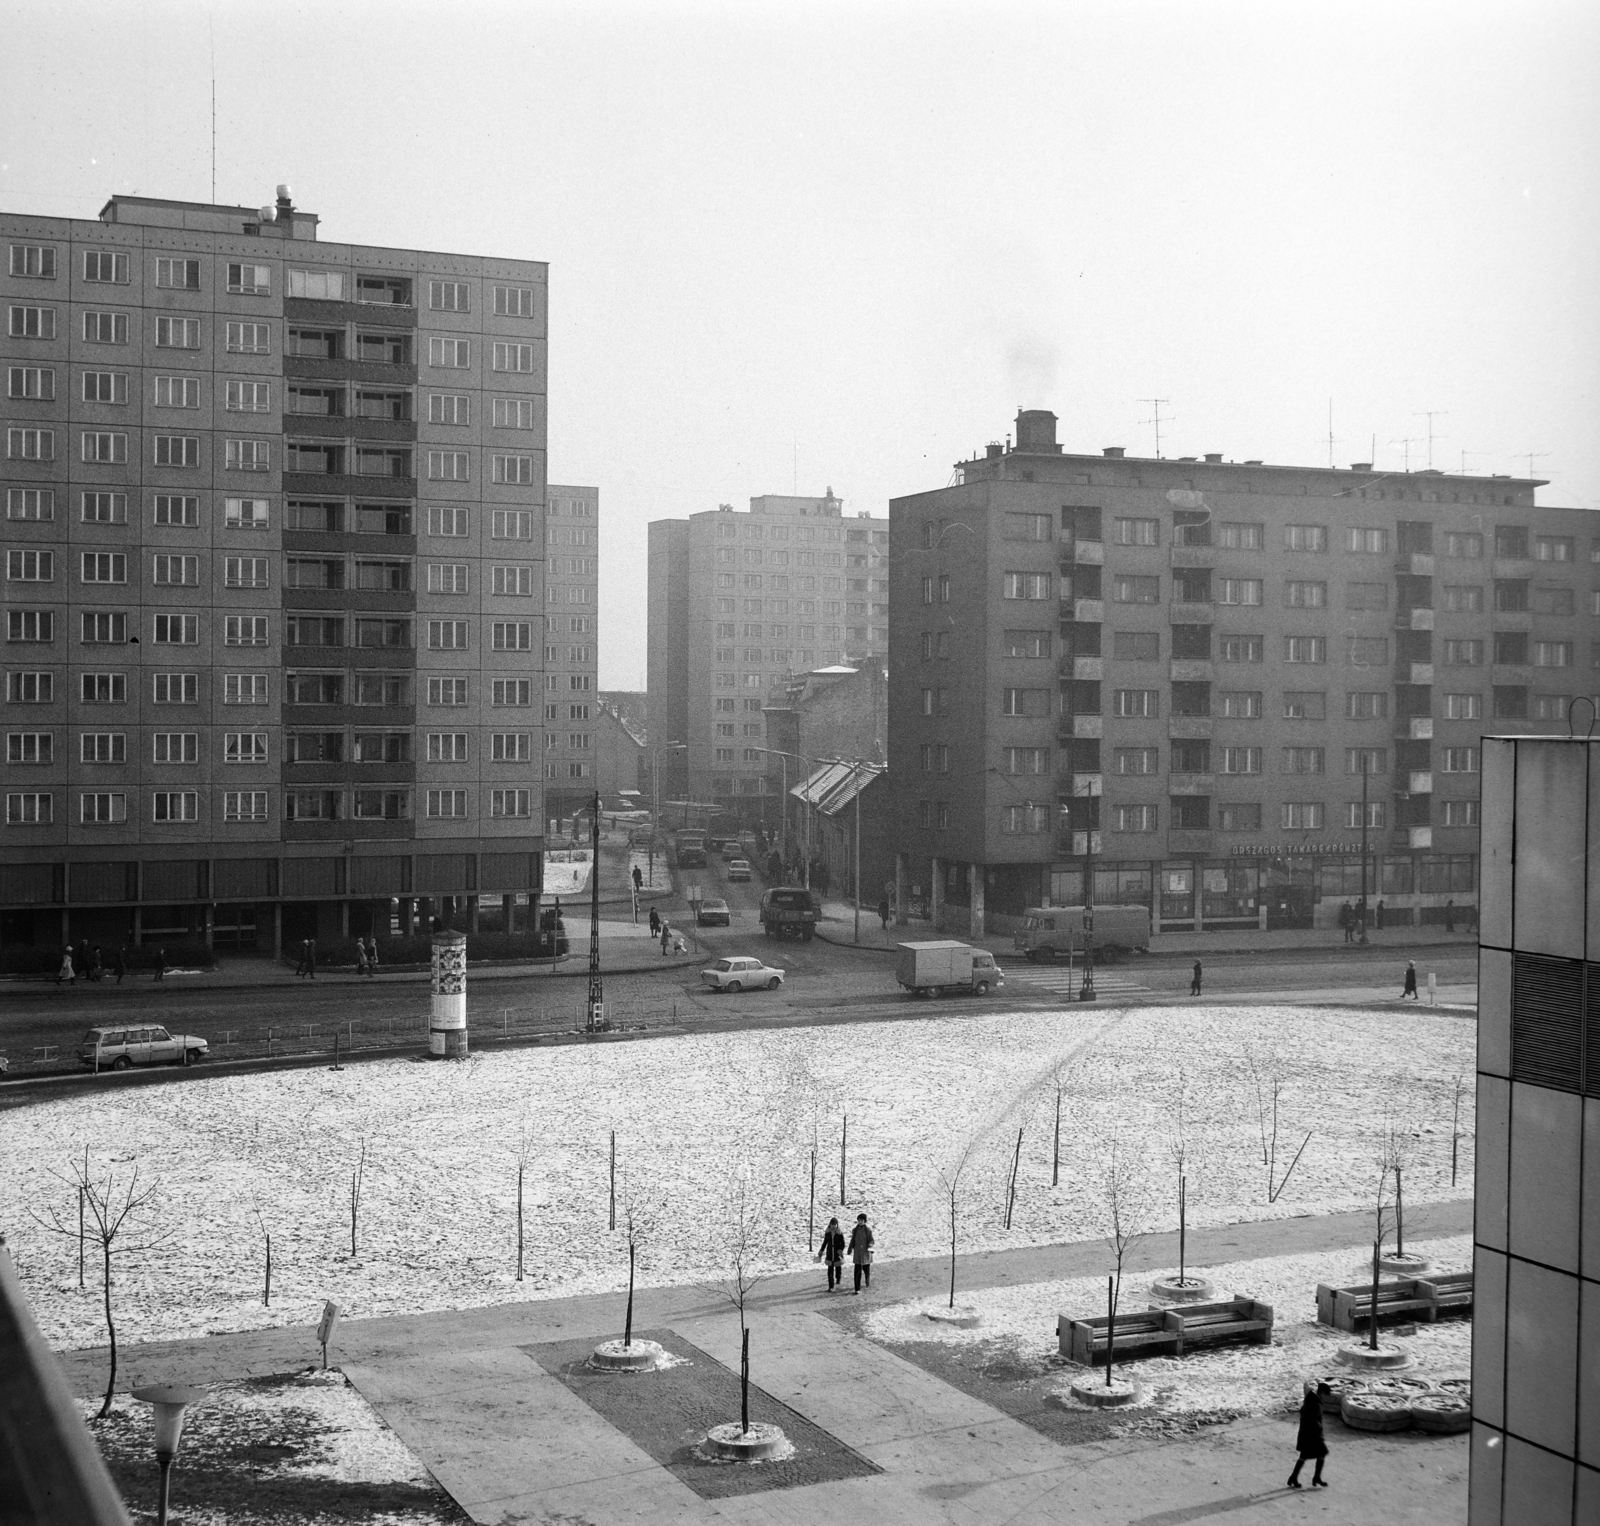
x=1419 y=783
x=1189 y=728
x=1088 y=726
x=1078 y=844
x=1185 y=843
x=1088 y=611
x=1191 y=784
x=1413 y=620
x=1194 y=556
x=1085 y=786
x=1512 y=567
x=1416 y=728
x=1421 y=672
x=1089 y=553
x=1193 y=670
x=1086 y=668
x=1414 y=564
x=1513 y=620
x=1190 y=614
x=1410 y=838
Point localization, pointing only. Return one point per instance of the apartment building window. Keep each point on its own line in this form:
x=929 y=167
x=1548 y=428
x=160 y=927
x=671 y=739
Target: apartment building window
x=448 y=522
x=103 y=628
x=34 y=262
x=1127 y=589
x=453 y=691
x=1191 y=641
x=450 y=296
x=245 y=571
x=1035 y=527
x=244 y=805
x=39 y=688
x=250 y=280
x=175 y=571
x=1552 y=707
x=1143 y=704
x=175 y=688
x=1241 y=760
x=511 y=746
x=317 y=285
x=1554 y=548
x=99 y=688
x=447 y=747
x=382 y=747
x=313 y=630
x=171 y=333
x=1554 y=601
x=95 y=809
x=1366 y=760
x=1136 y=646
x=1366 y=542
x=1024 y=820
x=105 y=267
x=451 y=354
x=512 y=582
x=1552 y=654
x=1367 y=705
x=313 y=805
x=1306 y=649
x=104 y=448
x=1463 y=707
x=1239 y=591
x=1466 y=545
x=448 y=635
x=513 y=301
x=32 y=322
x=1239 y=818
x=511 y=469
x=30 y=625
x=245 y=630
x=313 y=689
x=100 y=567
x=1463 y=599
x=244 y=689
x=175 y=747
x=1136 y=760
x=1302 y=816
x=1026 y=702
x=175 y=509
x=448 y=577
x=1305 y=705
x=1511 y=542
x=250 y=339
x=1305 y=537
x=35 y=383
x=511 y=636
x=1027 y=760
x=314 y=572
x=382 y=576
x=1461 y=813
x=1239 y=704
x=176 y=450
x=513 y=413
x=1510 y=595
x=1027 y=644
x=112 y=328
x=34 y=504
x=247 y=456
x=1234 y=535
x=510 y=803
x=1303 y=595
x=31 y=444
x=1377 y=815
x=243 y=747
x=372 y=631
x=177 y=274
x=383 y=689
x=30 y=747
x=512 y=357
x=1459 y=760
x=1367 y=651
x=1138 y=532
x=175 y=630
x=512 y=524
x=1463 y=653
x=446 y=804
x=1026 y=585
x=1136 y=818
x=1511 y=648
x=105 y=387
x=1302 y=760
x=449 y=408
x=30 y=566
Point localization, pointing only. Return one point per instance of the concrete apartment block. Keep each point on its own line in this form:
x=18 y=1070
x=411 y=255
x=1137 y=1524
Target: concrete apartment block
x=1183 y=668
x=1536 y=1252
x=572 y=648
x=275 y=577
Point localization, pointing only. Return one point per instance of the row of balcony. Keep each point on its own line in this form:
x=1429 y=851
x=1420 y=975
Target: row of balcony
x=1180 y=842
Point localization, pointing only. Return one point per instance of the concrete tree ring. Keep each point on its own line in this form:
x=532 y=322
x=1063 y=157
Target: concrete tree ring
x=1188 y=1290
x=1403 y=1263
x=613 y=1356
x=759 y=1444
x=962 y=1317
x=1386 y=1358
x=1094 y=1392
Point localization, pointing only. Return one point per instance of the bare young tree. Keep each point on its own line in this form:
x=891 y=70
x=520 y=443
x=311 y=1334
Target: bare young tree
x=1125 y=1202
x=740 y=1247
x=118 y=1219
x=950 y=1175
x=1060 y=1073
x=358 y=1174
x=1269 y=1077
x=527 y=1139
x=1179 y=1147
x=1380 y=1209
x=640 y=1216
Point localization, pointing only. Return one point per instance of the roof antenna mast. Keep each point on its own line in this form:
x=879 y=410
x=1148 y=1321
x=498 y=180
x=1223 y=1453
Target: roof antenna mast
x=1155 y=403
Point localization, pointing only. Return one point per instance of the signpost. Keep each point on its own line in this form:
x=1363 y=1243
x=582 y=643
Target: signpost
x=325 y=1328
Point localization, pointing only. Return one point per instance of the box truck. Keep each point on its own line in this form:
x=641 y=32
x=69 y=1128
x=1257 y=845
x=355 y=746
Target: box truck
x=937 y=966
x=1059 y=932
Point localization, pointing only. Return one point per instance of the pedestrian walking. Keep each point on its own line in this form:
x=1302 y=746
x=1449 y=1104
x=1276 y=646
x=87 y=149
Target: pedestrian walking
x=666 y=937
x=66 y=972
x=119 y=963
x=1309 y=1440
x=305 y=956
x=1194 y=980
x=832 y=1251
x=638 y=879
x=95 y=971
x=1410 y=988
x=1450 y=915
x=883 y=912
x=372 y=955
x=1347 y=920
x=861 y=1252
x=361 y=957
x=1382 y=910
x=311 y=959
x=655 y=923
x=161 y=964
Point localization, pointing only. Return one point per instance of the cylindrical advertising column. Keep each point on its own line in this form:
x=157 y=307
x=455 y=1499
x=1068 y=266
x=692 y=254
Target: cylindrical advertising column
x=447 y=1028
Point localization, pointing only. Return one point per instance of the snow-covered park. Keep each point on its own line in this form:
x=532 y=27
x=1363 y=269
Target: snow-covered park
x=241 y=1157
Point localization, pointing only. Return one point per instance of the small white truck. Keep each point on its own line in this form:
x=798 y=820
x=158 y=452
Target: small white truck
x=937 y=966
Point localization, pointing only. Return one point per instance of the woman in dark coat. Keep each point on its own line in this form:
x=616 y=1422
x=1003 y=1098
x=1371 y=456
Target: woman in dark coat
x=1309 y=1442
x=832 y=1251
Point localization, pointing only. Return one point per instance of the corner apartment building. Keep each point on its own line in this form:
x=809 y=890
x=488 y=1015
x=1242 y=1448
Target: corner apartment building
x=1184 y=667
x=274 y=576
x=739 y=603
x=1536 y=1228
x=572 y=646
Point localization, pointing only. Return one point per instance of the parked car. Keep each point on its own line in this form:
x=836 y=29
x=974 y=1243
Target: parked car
x=738 y=868
x=118 y=1048
x=738 y=973
x=713 y=914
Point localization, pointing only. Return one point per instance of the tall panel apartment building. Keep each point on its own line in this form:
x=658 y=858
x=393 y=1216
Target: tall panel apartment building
x=1184 y=667
x=274 y=576
x=738 y=604
x=571 y=653
x=1536 y=1228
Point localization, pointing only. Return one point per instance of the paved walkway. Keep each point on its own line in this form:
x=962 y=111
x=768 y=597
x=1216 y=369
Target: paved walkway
x=512 y=1444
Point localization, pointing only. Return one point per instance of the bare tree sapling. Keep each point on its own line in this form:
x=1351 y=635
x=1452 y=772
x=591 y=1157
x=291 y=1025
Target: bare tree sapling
x=950 y=1176
x=1124 y=1200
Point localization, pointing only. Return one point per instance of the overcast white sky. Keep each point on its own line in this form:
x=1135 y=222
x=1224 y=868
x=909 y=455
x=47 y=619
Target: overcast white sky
x=840 y=245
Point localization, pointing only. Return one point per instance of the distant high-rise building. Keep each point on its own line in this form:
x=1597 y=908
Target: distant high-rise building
x=571 y=654
x=275 y=576
x=1181 y=670
x=739 y=603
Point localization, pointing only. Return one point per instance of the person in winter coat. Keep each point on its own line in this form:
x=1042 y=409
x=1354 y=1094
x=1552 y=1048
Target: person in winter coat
x=1309 y=1441
x=119 y=963
x=1194 y=980
x=666 y=937
x=1347 y=920
x=372 y=956
x=66 y=972
x=161 y=964
x=1410 y=988
x=883 y=912
x=655 y=923
x=832 y=1251
x=361 y=957
x=861 y=1252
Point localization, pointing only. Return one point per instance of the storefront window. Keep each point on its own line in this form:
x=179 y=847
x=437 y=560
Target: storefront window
x=1229 y=891
x=1120 y=885
x=1398 y=876
x=1177 y=892
x=1447 y=876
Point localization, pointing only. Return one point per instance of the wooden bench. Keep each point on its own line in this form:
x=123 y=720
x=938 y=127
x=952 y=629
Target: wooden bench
x=1164 y=1332
x=1420 y=1297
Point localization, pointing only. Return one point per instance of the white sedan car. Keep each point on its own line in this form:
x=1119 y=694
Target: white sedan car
x=741 y=974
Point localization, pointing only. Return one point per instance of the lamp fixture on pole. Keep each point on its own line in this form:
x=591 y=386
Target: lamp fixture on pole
x=170 y=1401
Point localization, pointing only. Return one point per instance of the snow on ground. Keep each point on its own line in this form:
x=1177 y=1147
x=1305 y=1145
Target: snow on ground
x=1255 y=1379
x=243 y=1156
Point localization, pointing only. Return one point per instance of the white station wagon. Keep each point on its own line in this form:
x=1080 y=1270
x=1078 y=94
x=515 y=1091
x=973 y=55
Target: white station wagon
x=741 y=974
x=117 y=1048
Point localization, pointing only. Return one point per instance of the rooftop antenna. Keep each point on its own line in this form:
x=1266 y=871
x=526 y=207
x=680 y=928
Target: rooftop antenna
x=1430 y=415
x=1465 y=454
x=1407 y=444
x=1330 y=431
x=1530 y=456
x=1155 y=403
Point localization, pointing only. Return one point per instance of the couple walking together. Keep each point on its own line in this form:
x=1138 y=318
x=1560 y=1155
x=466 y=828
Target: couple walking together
x=859 y=1245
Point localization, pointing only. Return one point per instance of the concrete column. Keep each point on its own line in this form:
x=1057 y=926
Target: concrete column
x=472 y=913
x=344 y=919
x=408 y=916
x=902 y=889
x=447 y=1027
x=936 y=894
x=508 y=912
x=277 y=929
x=975 y=880
x=1199 y=896
x=211 y=925
x=66 y=927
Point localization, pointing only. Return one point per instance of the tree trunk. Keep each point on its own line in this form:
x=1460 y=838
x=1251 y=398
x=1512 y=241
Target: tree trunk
x=111 y=1332
x=744 y=1381
x=1372 y=1339
x=811 y=1211
x=613 y=1171
x=844 y=1139
x=1055 y=1160
x=1111 y=1327
x=627 y=1328
x=1399 y=1215
x=266 y=1291
x=952 y=1250
x=352 y=1216
x=519 y=1223
x=1183 y=1224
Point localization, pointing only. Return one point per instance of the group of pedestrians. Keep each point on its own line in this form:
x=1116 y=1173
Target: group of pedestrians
x=661 y=929
x=90 y=962
x=859 y=1246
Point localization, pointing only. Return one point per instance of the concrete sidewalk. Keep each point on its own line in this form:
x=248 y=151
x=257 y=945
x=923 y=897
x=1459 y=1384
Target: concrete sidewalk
x=512 y=1444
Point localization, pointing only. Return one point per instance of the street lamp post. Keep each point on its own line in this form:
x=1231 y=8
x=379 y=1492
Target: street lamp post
x=169 y=1401
x=596 y=1016
x=1086 y=990
x=1363 y=902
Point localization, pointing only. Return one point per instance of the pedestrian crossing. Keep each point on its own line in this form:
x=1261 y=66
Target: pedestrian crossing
x=1067 y=983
